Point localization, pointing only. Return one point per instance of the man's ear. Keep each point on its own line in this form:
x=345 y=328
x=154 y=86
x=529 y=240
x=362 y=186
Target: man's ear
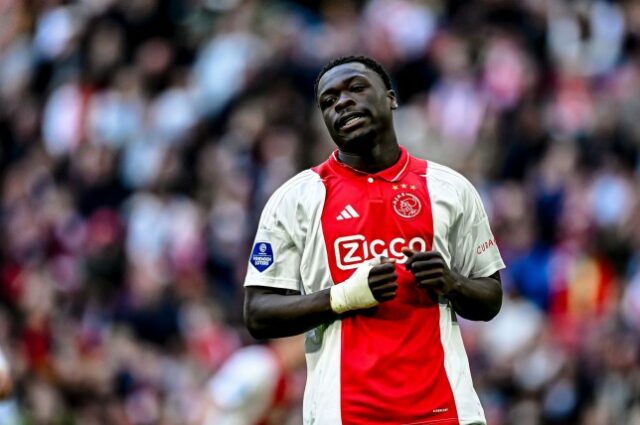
x=392 y=97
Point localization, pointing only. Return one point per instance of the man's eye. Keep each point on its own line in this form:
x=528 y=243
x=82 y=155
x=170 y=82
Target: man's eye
x=327 y=101
x=357 y=88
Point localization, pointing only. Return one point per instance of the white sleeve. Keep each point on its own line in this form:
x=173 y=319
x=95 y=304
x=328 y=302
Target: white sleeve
x=275 y=257
x=475 y=253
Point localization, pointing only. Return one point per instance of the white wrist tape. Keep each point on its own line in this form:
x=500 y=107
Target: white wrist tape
x=354 y=293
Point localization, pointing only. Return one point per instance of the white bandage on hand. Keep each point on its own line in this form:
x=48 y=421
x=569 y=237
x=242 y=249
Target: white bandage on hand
x=354 y=293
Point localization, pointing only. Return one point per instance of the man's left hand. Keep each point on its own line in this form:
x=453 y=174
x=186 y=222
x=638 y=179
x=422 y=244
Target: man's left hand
x=430 y=271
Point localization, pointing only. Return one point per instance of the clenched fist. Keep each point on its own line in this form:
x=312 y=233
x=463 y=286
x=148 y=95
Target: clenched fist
x=383 y=280
x=431 y=271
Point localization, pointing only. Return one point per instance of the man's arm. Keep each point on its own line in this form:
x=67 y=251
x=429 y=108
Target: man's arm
x=276 y=313
x=472 y=298
x=477 y=298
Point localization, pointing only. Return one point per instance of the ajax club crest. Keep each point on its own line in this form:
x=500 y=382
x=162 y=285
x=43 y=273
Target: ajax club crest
x=406 y=205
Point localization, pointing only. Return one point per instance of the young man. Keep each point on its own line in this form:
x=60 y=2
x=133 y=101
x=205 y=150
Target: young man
x=372 y=254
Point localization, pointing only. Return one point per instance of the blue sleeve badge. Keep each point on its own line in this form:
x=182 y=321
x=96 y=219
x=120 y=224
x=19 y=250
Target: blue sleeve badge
x=262 y=256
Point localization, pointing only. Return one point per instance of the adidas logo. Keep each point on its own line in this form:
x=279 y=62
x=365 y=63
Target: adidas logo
x=347 y=213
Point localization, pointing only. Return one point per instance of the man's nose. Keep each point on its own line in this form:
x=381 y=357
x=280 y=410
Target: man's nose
x=343 y=101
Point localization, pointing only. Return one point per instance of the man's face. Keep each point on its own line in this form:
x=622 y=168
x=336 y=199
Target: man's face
x=355 y=105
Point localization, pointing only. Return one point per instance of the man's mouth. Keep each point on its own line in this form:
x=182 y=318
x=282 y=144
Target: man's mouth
x=350 y=120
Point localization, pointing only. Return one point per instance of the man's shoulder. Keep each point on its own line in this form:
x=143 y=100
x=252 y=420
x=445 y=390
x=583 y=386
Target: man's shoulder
x=305 y=185
x=447 y=175
x=303 y=179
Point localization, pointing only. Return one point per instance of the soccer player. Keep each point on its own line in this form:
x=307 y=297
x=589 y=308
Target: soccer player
x=373 y=254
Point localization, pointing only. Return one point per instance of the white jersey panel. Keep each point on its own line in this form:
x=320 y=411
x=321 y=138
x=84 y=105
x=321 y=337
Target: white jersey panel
x=461 y=226
x=291 y=225
x=456 y=364
x=322 y=392
x=322 y=344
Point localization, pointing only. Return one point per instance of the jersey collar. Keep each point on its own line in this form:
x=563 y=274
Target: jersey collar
x=391 y=174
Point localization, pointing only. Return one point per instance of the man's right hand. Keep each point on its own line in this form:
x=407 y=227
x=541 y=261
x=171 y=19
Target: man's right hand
x=383 y=280
x=371 y=283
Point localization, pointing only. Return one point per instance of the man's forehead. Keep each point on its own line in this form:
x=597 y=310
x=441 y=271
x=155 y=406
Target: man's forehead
x=343 y=72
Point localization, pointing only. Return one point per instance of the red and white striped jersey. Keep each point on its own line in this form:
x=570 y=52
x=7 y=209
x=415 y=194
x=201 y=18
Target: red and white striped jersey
x=402 y=362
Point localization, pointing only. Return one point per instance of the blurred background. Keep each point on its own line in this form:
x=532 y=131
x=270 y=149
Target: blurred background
x=140 y=139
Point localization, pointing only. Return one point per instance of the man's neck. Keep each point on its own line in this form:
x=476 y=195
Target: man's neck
x=373 y=161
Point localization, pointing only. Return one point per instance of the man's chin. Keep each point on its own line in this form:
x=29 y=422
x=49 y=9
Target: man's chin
x=361 y=140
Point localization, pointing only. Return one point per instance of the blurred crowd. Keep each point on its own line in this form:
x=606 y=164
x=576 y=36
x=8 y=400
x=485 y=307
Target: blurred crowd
x=140 y=139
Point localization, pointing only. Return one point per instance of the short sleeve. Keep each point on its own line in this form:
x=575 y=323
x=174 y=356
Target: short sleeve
x=274 y=260
x=475 y=253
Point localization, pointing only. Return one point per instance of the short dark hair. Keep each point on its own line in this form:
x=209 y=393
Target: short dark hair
x=365 y=60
